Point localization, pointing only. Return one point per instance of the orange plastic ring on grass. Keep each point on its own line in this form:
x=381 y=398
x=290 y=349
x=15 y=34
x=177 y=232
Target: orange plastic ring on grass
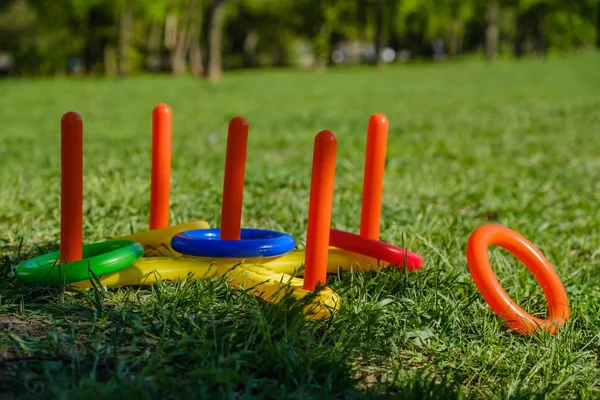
x=493 y=293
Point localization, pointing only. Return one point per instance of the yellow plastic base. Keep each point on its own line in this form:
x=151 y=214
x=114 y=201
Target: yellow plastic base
x=158 y=242
x=269 y=278
x=147 y=271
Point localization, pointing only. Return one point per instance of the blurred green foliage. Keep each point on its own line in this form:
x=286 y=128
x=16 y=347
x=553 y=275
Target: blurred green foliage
x=123 y=36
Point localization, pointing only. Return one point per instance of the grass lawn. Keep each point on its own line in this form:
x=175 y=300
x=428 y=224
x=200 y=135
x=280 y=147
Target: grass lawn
x=515 y=143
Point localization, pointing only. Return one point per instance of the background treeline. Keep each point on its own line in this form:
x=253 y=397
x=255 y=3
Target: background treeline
x=205 y=37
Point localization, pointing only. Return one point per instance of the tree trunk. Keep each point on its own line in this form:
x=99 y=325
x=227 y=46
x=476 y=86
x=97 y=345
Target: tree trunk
x=250 y=42
x=178 y=55
x=456 y=37
x=379 y=14
x=521 y=37
x=361 y=10
x=196 y=64
x=111 y=67
x=540 y=31
x=216 y=22
x=321 y=46
x=125 y=32
x=492 y=33
x=393 y=11
x=154 y=37
x=170 y=31
x=598 y=24
x=154 y=60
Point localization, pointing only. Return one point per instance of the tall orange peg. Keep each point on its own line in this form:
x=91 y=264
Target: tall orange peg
x=71 y=195
x=160 y=185
x=233 y=184
x=373 y=176
x=319 y=209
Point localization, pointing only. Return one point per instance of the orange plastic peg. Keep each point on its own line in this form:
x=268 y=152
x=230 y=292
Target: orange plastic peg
x=233 y=185
x=319 y=209
x=71 y=196
x=373 y=176
x=160 y=185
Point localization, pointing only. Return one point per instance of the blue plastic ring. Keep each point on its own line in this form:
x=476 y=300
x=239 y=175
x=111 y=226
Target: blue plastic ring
x=252 y=243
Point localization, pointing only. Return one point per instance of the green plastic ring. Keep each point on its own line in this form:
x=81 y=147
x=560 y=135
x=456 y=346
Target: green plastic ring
x=100 y=258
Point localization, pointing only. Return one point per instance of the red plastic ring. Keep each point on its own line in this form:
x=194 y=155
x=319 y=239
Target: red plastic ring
x=375 y=249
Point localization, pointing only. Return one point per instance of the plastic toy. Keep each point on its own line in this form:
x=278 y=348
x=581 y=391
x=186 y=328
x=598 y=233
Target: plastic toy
x=160 y=182
x=260 y=261
x=252 y=243
x=493 y=293
x=74 y=262
x=264 y=262
x=97 y=259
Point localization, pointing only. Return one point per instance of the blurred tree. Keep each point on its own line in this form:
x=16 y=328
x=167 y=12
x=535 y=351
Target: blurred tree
x=154 y=17
x=598 y=24
x=121 y=36
x=557 y=24
x=327 y=22
x=41 y=34
x=530 y=27
x=17 y=19
x=443 y=19
x=179 y=26
x=215 y=20
x=380 y=8
x=196 y=8
x=456 y=14
x=125 y=8
x=492 y=33
x=262 y=28
x=320 y=18
x=361 y=18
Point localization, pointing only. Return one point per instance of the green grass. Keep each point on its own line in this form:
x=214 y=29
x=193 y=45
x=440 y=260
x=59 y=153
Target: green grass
x=515 y=143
